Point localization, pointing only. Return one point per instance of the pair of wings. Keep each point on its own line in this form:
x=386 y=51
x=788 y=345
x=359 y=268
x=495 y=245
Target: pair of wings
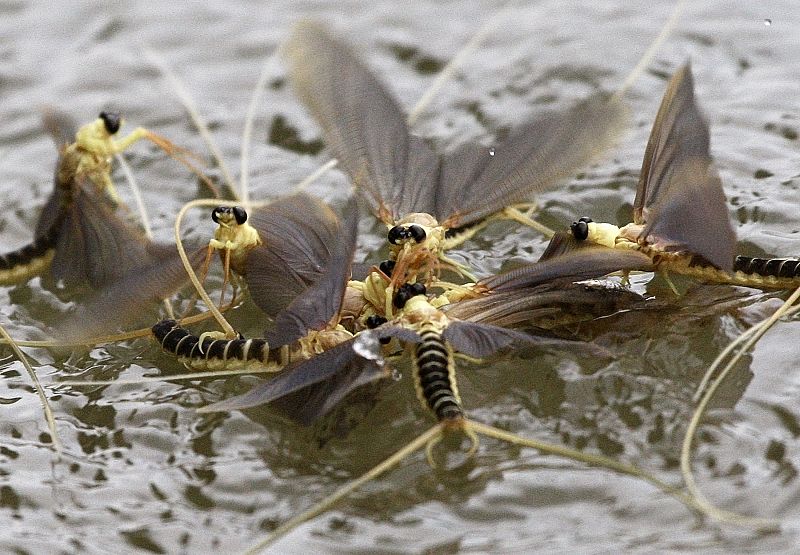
x=398 y=173
x=679 y=198
x=308 y=389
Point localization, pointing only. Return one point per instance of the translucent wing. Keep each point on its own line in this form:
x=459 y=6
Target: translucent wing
x=312 y=387
x=680 y=197
x=543 y=306
x=483 y=340
x=364 y=126
x=298 y=233
x=60 y=126
x=125 y=303
x=477 y=181
x=561 y=243
x=571 y=266
x=314 y=307
x=62 y=129
x=97 y=247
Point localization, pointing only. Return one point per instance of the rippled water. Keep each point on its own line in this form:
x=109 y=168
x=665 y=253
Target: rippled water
x=143 y=473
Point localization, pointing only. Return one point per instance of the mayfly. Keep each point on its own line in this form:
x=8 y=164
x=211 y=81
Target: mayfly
x=78 y=236
x=423 y=197
x=680 y=219
x=297 y=275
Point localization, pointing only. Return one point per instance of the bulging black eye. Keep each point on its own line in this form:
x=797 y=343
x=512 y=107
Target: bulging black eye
x=112 y=121
x=417 y=233
x=374 y=321
x=395 y=234
x=585 y=219
x=217 y=211
x=240 y=214
x=387 y=267
x=401 y=298
x=416 y=289
x=580 y=230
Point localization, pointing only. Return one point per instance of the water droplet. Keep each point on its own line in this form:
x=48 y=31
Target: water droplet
x=491 y=151
x=368 y=346
x=397 y=375
x=767 y=22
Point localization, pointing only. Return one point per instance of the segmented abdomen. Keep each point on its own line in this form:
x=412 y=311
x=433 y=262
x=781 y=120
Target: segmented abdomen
x=434 y=376
x=30 y=260
x=218 y=353
x=776 y=267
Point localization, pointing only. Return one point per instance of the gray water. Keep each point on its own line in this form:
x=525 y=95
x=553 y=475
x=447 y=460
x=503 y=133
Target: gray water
x=142 y=472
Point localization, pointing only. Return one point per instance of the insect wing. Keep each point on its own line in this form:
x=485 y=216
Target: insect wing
x=478 y=181
x=124 y=302
x=298 y=233
x=571 y=266
x=60 y=126
x=561 y=243
x=680 y=197
x=314 y=307
x=98 y=247
x=363 y=125
x=318 y=383
x=483 y=340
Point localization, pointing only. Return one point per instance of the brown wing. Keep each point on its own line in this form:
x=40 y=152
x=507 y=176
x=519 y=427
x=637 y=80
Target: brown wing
x=363 y=125
x=571 y=266
x=127 y=302
x=97 y=247
x=312 y=387
x=530 y=308
x=680 y=197
x=298 y=233
x=314 y=307
x=478 y=181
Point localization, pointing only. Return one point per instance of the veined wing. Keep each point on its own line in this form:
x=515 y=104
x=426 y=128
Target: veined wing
x=679 y=197
x=478 y=181
x=124 y=303
x=309 y=389
x=364 y=126
x=571 y=266
x=97 y=247
x=298 y=233
x=314 y=307
x=62 y=129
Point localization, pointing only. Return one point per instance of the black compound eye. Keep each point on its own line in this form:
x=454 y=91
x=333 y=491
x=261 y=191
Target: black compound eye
x=417 y=233
x=417 y=289
x=401 y=298
x=387 y=267
x=395 y=234
x=586 y=220
x=112 y=121
x=580 y=230
x=216 y=213
x=374 y=321
x=240 y=214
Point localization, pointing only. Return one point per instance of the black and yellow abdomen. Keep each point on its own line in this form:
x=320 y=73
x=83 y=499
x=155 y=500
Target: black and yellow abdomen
x=31 y=260
x=434 y=375
x=211 y=353
x=774 y=267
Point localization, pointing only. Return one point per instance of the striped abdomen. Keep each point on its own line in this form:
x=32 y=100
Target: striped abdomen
x=24 y=263
x=775 y=267
x=434 y=376
x=211 y=353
